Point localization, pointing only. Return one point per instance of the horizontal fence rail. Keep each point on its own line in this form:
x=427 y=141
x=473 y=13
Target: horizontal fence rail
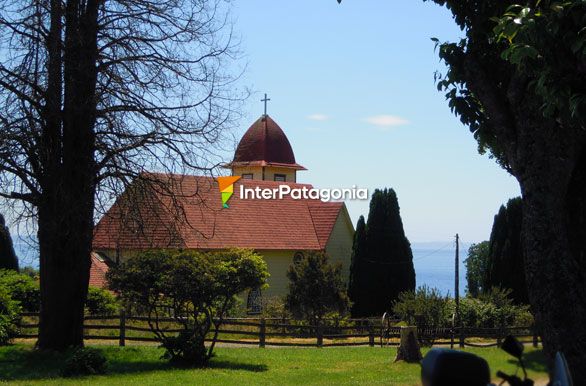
x=263 y=332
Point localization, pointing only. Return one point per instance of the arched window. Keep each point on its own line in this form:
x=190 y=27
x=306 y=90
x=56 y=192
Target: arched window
x=298 y=257
x=254 y=301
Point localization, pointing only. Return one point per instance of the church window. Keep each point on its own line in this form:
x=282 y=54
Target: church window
x=247 y=176
x=254 y=301
x=297 y=258
x=280 y=177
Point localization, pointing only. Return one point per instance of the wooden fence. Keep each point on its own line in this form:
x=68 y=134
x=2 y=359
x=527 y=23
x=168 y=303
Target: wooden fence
x=263 y=332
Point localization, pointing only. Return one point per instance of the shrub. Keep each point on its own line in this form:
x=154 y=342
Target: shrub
x=275 y=307
x=22 y=288
x=493 y=309
x=425 y=307
x=9 y=316
x=85 y=361
x=195 y=286
x=316 y=288
x=101 y=302
x=33 y=273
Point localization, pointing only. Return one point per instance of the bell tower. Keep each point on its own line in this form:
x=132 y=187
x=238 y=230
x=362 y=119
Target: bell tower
x=264 y=153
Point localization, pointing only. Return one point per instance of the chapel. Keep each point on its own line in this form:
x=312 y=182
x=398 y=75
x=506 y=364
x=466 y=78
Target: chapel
x=280 y=230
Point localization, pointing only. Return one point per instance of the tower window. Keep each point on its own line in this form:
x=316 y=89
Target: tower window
x=280 y=177
x=248 y=176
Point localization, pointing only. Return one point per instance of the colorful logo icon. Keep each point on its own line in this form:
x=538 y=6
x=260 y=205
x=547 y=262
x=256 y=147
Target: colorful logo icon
x=226 y=185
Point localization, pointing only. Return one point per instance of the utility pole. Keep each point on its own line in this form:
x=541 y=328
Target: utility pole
x=457 y=291
x=457 y=279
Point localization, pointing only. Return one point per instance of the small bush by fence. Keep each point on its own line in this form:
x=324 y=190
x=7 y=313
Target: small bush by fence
x=263 y=332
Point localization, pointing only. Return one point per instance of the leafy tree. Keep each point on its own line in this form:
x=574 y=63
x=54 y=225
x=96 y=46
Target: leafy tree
x=357 y=284
x=506 y=263
x=22 y=288
x=92 y=94
x=8 y=259
x=517 y=81
x=316 y=288
x=388 y=266
x=476 y=268
x=199 y=289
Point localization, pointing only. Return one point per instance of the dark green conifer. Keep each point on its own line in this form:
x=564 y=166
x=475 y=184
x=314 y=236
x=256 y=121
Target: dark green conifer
x=387 y=266
x=358 y=269
x=8 y=259
x=506 y=267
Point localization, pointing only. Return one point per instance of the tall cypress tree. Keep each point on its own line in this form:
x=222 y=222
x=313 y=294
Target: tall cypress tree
x=358 y=269
x=8 y=259
x=506 y=261
x=387 y=266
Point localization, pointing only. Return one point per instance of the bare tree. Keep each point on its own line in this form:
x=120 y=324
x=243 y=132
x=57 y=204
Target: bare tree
x=92 y=94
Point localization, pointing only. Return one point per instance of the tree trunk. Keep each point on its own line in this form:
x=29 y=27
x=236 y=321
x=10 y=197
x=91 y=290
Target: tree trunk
x=554 y=198
x=65 y=266
x=66 y=208
x=409 y=350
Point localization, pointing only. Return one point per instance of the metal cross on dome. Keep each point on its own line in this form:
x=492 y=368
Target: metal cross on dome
x=265 y=100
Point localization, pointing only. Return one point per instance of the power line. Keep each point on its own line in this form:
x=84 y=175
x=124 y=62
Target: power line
x=433 y=252
x=407 y=262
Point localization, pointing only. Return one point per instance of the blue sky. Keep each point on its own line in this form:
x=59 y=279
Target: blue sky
x=352 y=86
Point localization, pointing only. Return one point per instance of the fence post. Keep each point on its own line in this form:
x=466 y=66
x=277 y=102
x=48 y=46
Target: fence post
x=370 y=334
x=501 y=332
x=262 y=333
x=462 y=337
x=122 y=341
x=453 y=332
x=319 y=334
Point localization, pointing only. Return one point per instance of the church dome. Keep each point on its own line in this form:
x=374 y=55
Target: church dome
x=265 y=143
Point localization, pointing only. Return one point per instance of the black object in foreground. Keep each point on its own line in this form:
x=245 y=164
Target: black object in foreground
x=444 y=367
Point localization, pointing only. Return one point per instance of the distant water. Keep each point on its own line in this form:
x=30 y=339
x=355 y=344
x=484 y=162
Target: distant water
x=27 y=251
x=435 y=266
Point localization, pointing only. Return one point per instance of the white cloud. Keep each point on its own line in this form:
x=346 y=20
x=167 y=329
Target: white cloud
x=386 y=121
x=318 y=117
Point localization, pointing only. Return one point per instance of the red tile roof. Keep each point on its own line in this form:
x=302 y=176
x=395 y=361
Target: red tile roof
x=201 y=223
x=98 y=271
x=324 y=217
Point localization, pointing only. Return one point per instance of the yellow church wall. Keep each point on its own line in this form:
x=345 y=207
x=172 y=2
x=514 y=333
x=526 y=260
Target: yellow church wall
x=278 y=261
x=256 y=172
x=290 y=174
x=339 y=246
x=269 y=172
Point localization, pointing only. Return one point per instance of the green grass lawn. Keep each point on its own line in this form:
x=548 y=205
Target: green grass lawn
x=140 y=365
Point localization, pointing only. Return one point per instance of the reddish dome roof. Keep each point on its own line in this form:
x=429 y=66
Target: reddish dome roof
x=265 y=143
